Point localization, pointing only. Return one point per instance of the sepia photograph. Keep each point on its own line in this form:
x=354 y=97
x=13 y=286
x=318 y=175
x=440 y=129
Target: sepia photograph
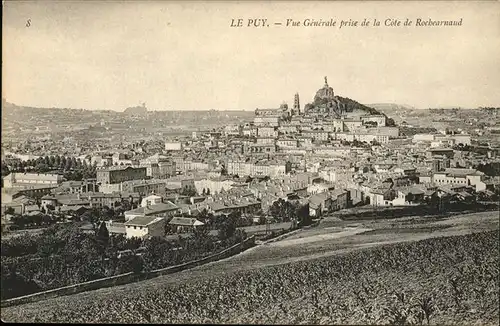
x=250 y=162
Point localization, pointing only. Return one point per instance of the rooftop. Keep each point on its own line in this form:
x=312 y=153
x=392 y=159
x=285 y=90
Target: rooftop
x=154 y=209
x=185 y=221
x=143 y=221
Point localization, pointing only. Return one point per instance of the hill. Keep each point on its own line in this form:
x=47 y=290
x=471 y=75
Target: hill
x=391 y=106
x=137 y=110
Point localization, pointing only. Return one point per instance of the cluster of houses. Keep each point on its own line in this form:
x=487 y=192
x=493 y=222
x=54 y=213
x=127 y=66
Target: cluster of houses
x=314 y=156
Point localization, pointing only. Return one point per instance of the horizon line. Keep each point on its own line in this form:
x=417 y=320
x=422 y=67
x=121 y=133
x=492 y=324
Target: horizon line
x=407 y=106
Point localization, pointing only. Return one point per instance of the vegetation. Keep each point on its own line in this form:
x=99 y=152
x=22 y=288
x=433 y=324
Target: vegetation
x=72 y=168
x=437 y=281
x=21 y=222
x=285 y=211
x=64 y=254
x=188 y=191
x=411 y=131
x=491 y=169
x=51 y=215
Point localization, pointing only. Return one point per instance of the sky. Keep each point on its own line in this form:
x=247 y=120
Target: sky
x=185 y=55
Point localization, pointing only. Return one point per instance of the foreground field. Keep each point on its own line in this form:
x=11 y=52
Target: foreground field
x=444 y=280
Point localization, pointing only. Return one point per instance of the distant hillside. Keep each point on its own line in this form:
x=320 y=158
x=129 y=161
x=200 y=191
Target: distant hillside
x=137 y=110
x=391 y=106
x=354 y=106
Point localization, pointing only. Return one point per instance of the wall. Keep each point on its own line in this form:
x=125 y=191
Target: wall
x=128 y=277
x=72 y=289
x=173 y=146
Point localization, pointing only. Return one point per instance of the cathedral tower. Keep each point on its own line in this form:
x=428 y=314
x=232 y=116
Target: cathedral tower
x=296 y=104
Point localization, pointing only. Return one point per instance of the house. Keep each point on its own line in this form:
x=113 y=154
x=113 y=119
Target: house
x=356 y=197
x=464 y=197
x=459 y=176
x=383 y=167
x=145 y=226
x=78 y=210
x=425 y=178
x=408 y=196
x=99 y=199
x=74 y=202
x=340 y=199
x=406 y=170
x=116 y=175
x=31 y=208
x=161 y=210
x=184 y=224
x=318 y=188
x=440 y=152
x=116 y=227
x=49 y=200
x=382 y=196
x=31 y=179
x=319 y=204
x=77 y=187
x=151 y=200
x=31 y=191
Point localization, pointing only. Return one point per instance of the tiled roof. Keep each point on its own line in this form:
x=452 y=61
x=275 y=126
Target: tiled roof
x=185 y=221
x=31 y=208
x=73 y=202
x=71 y=208
x=154 y=209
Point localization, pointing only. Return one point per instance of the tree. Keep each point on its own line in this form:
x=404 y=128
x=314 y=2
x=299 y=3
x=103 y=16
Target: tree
x=92 y=216
x=281 y=209
x=68 y=165
x=52 y=161
x=302 y=213
x=62 y=163
x=42 y=167
x=137 y=264
x=203 y=192
x=208 y=192
x=107 y=212
x=102 y=236
x=188 y=191
x=228 y=227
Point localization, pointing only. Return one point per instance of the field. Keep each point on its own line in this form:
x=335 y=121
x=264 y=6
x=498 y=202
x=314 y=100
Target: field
x=409 y=270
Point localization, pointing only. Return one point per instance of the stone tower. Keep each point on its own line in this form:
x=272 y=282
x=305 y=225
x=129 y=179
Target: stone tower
x=296 y=104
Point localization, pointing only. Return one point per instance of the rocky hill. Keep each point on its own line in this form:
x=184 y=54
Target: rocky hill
x=326 y=103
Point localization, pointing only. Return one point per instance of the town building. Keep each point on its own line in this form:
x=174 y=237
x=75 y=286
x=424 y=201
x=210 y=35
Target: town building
x=14 y=180
x=120 y=174
x=163 y=210
x=146 y=226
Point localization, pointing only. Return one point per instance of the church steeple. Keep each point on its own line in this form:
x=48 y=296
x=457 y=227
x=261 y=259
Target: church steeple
x=296 y=104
